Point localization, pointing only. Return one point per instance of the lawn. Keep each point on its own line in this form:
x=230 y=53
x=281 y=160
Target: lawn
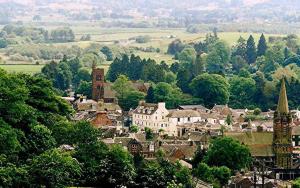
x=28 y=69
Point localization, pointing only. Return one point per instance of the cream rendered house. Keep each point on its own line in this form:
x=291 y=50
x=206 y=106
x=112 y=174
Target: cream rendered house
x=153 y=116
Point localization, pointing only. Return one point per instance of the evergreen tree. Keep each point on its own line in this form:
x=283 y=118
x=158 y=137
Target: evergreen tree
x=286 y=53
x=150 y=95
x=183 y=79
x=198 y=66
x=240 y=48
x=251 y=50
x=298 y=51
x=262 y=46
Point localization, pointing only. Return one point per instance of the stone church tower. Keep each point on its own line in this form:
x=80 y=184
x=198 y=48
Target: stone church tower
x=282 y=136
x=98 y=83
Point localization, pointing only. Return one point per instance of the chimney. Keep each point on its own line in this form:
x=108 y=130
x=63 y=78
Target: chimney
x=161 y=105
x=142 y=102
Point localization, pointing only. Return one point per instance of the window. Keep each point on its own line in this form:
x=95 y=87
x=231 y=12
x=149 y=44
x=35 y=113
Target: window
x=178 y=119
x=189 y=119
x=162 y=125
x=98 y=77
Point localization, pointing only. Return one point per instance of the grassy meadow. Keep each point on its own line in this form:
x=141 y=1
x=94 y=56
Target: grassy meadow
x=28 y=69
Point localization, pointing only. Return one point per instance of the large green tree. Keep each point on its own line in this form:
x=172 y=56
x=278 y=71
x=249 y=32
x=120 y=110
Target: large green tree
x=54 y=168
x=262 y=46
x=251 y=50
x=228 y=152
x=211 y=88
x=242 y=91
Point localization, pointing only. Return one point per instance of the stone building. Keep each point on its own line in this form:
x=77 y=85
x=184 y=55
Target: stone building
x=101 y=90
x=282 y=136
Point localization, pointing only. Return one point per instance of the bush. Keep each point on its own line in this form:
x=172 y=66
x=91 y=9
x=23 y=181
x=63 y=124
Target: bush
x=257 y=111
x=143 y=39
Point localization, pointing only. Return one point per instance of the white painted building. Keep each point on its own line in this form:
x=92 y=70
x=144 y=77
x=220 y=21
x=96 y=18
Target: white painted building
x=181 y=117
x=153 y=116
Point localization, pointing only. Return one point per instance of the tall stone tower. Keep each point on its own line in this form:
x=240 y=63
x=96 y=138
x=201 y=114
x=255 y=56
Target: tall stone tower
x=98 y=83
x=282 y=136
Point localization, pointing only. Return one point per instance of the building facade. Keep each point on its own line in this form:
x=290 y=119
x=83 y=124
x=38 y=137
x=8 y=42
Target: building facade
x=153 y=116
x=282 y=136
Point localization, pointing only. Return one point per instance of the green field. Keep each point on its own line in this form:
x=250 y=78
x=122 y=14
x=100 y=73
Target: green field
x=28 y=69
x=160 y=38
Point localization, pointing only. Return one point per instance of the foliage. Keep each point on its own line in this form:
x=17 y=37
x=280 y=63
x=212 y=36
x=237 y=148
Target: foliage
x=54 y=169
x=218 y=57
x=150 y=98
x=242 y=91
x=175 y=47
x=107 y=52
x=251 y=50
x=169 y=94
x=149 y=133
x=262 y=46
x=228 y=152
x=128 y=97
x=211 y=88
x=64 y=34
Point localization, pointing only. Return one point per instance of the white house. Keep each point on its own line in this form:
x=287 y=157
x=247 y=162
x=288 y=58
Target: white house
x=181 y=117
x=153 y=116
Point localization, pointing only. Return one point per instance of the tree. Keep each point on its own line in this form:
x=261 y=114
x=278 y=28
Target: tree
x=10 y=144
x=262 y=46
x=64 y=34
x=54 y=169
x=151 y=175
x=198 y=66
x=131 y=100
x=3 y=43
x=107 y=52
x=85 y=88
x=149 y=133
x=211 y=88
x=175 y=47
x=118 y=168
x=169 y=94
x=238 y=63
x=240 y=49
x=91 y=156
x=40 y=140
x=218 y=57
x=127 y=96
x=122 y=86
x=82 y=75
x=150 y=95
x=250 y=50
x=228 y=152
x=184 y=77
x=13 y=176
x=187 y=55
x=257 y=111
x=242 y=91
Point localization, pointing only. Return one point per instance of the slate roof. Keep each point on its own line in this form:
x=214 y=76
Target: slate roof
x=193 y=107
x=146 y=108
x=183 y=113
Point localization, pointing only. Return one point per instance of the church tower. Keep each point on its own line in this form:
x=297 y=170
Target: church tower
x=282 y=136
x=98 y=83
